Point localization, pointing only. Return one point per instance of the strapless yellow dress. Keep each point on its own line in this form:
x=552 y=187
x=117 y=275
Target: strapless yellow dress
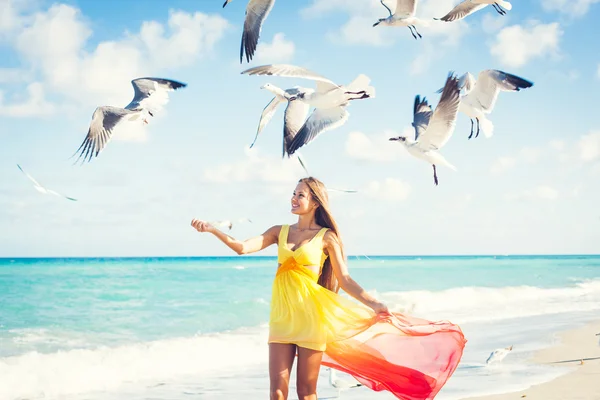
x=411 y=357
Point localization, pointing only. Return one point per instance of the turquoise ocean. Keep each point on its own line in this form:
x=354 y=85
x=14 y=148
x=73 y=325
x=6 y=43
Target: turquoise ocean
x=196 y=328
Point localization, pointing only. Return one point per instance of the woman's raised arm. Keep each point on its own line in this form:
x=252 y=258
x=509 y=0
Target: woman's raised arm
x=257 y=243
x=346 y=282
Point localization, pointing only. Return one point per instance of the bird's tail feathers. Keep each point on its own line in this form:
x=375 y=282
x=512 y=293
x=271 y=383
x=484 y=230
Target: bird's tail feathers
x=487 y=127
x=361 y=82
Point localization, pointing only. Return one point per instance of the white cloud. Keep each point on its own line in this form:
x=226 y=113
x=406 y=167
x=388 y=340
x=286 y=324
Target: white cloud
x=530 y=154
x=390 y=190
x=34 y=105
x=574 y=8
x=516 y=45
x=54 y=43
x=279 y=50
x=557 y=144
x=256 y=168
x=589 y=147
x=540 y=192
x=598 y=72
x=14 y=75
x=376 y=148
x=491 y=23
x=502 y=164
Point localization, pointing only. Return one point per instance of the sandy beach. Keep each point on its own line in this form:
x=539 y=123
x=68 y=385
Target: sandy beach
x=582 y=383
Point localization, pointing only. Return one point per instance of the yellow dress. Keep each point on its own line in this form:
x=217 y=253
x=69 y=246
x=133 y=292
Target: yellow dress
x=410 y=357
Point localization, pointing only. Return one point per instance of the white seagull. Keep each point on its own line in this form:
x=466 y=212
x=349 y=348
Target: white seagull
x=42 y=189
x=468 y=7
x=434 y=129
x=329 y=100
x=480 y=96
x=294 y=115
x=498 y=355
x=341 y=384
x=150 y=95
x=403 y=15
x=228 y=224
x=256 y=13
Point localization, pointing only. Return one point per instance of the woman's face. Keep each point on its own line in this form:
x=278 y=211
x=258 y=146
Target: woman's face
x=302 y=201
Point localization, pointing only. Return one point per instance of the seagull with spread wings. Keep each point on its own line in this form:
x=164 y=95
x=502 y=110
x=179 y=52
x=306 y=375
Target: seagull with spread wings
x=434 y=129
x=256 y=13
x=480 y=95
x=150 y=95
x=41 y=188
x=403 y=15
x=328 y=99
x=294 y=115
x=468 y=7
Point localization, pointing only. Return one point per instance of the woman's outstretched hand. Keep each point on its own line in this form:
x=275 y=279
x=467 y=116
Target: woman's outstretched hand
x=202 y=226
x=379 y=308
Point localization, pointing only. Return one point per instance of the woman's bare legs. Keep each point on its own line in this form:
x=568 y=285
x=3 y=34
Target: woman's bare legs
x=281 y=360
x=307 y=373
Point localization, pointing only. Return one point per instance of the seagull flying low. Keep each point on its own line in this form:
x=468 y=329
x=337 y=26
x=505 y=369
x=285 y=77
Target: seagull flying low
x=480 y=96
x=341 y=384
x=498 y=355
x=150 y=95
x=294 y=116
x=434 y=129
x=328 y=99
x=468 y=7
x=228 y=224
x=42 y=189
x=256 y=13
x=403 y=15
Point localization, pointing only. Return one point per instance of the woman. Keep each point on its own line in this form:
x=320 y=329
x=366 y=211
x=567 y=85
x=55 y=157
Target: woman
x=309 y=318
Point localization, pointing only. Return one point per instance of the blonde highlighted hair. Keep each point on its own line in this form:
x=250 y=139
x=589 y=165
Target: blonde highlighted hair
x=324 y=218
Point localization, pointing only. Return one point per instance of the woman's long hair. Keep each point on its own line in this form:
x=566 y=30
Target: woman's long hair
x=324 y=218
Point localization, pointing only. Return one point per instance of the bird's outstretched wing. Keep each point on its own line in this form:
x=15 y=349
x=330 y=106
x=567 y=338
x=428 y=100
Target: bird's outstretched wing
x=321 y=120
x=405 y=8
x=256 y=13
x=443 y=120
x=294 y=118
x=287 y=70
x=461 y=10
x=421 y=115
x=489 y=84
x=151 y=94
x=267 y=115
x=104 y=120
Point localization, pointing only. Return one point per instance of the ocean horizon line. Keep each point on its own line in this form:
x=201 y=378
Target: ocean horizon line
x=398 y=256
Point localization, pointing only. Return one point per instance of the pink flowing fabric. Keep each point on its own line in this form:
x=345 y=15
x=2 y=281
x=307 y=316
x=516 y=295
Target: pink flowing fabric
x=408 y=356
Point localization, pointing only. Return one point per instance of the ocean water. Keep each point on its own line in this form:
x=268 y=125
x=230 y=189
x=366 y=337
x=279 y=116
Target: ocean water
x=196 y=328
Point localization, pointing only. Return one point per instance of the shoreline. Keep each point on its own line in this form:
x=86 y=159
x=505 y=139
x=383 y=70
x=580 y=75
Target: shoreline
x=573 y=347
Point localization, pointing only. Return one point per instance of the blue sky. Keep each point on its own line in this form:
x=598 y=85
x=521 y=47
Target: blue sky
x=531 y=188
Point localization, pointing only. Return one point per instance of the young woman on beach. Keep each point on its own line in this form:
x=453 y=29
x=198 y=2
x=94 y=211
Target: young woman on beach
x=410 y=357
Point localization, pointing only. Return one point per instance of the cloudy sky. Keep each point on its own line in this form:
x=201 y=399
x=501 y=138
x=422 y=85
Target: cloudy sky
x=534 y=187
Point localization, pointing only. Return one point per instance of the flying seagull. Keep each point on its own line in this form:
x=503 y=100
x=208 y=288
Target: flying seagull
x=434 y=129
x=468 y=7
x=294 y=116
x=256 y=13
x=150 y=95
x=341 y=384
x=329 y=100
x=228 y=224
x=480 y=96
x=42 y=189
x=403 y=15
x=498 y=355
